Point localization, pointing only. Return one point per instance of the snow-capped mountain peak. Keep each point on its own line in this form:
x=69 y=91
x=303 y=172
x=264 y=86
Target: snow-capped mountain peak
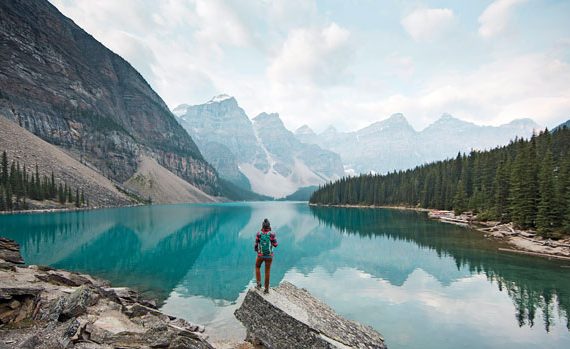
x=219 y=98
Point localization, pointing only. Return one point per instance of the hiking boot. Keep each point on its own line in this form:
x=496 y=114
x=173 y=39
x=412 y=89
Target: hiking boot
x=266 y=291
x=258 y=287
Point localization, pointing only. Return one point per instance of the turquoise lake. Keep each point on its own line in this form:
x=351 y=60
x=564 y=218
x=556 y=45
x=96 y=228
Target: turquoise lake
x=420 y=283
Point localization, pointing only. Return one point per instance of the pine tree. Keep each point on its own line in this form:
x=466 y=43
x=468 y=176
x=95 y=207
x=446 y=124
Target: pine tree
x=501 y=189
x=4 y=177
x=68 y=197
x=459 y=201
x=562 y=186
x=82 y=197
x=53 y=189
x=547 y=208
x=523 y=186
x=77 y=198
x=61 y=194
x=2 y=203
x=8 y=198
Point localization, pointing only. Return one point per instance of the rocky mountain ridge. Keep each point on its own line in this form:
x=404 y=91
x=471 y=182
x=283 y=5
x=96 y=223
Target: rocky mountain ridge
x=64 y=86
x=393 y=144
x=259 y=154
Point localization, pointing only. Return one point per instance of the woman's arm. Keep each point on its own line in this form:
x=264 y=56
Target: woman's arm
x=256 y=242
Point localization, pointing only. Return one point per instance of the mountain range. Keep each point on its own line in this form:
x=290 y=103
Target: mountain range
x=393 y=144
x=259 y=154
x=263 y=155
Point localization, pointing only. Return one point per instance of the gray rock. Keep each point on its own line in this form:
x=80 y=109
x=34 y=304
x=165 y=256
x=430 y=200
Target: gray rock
x=187 y=325
x=17 y=303
x=77 y=303
x=289 y=317
x=127 y=297
x=10 y=251
x=61 y=280
x=7 y=265
x=137 y=310
x=187 y=343
x=151 y=322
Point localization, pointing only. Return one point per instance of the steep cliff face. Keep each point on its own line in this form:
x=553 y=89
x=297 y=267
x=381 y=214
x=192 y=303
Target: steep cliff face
x=60 y=83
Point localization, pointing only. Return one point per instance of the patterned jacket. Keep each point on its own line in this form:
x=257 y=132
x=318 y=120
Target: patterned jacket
x=272 y=238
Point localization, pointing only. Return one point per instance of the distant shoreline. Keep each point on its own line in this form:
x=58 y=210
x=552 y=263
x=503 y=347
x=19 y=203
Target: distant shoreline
x=66 y=209
x=524 y=241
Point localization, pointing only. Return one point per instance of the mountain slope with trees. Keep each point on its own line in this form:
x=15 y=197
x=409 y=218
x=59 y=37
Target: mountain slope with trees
x=526 y=182
x=48 y=162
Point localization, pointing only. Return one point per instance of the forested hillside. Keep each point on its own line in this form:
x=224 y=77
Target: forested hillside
x=526 y=182
x=18 y=185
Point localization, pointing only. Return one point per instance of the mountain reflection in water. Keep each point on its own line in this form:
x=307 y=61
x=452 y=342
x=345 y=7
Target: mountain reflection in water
x=417 y=281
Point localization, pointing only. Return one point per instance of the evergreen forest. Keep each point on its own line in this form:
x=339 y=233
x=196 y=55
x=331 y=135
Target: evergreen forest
x=526 y=182
x=19 y=186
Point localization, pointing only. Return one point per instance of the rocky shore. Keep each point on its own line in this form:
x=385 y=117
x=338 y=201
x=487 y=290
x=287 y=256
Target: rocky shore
x=522 y=241
x=41 y=307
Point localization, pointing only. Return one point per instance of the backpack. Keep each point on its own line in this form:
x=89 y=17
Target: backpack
x=265 y=246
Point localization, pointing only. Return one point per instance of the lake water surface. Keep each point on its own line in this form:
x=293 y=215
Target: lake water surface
x=420 y=283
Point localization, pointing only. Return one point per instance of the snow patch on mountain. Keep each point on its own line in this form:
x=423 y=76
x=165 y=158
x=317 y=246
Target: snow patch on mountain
x=219 y=98
x=274 y=184
x=180 y=110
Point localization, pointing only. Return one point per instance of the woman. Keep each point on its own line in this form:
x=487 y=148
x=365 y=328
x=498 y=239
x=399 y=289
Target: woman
x=265 y=241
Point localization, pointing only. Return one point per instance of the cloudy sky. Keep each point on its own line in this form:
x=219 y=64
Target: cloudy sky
x=347 y=63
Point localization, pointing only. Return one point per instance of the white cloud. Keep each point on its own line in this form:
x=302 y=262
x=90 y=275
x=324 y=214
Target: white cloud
x=495 y=18
x=292 y=13
x=403 y=66
x=428 y=24
x=219 y=24
x=533 y=85
x=285 y=56
x=313 y=55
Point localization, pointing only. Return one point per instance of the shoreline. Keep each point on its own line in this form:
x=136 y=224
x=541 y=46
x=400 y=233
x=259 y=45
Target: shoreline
x=525 y=242
x=65 y=209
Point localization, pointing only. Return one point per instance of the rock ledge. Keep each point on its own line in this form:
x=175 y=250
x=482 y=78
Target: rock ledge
x=289 y=317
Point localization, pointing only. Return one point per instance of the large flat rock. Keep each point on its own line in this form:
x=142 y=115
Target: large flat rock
x=289 y=317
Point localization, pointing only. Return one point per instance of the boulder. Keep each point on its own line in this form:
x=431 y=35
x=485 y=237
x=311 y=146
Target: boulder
x=289 y=317
x=77 y=303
